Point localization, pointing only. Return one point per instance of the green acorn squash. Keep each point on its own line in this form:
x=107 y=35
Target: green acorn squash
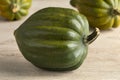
x=55 y=38
x=14 y=9
x=104 y=14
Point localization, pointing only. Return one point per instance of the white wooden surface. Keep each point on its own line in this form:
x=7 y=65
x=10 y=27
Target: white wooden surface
x=102 y=62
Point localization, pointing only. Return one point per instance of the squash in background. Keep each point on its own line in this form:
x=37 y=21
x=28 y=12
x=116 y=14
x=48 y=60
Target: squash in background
x=103 y=14
x=55 y=38
x=14 y=9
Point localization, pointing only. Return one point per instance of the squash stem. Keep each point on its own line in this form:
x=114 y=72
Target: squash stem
x=93 y=36
x=15 y=8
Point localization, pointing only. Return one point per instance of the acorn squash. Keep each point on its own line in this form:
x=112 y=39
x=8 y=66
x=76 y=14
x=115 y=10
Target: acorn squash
x=104 y=14
x=14 y=9
x=55 y=38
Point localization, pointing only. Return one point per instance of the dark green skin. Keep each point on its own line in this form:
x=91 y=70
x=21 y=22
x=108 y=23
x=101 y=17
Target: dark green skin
x=54 y=38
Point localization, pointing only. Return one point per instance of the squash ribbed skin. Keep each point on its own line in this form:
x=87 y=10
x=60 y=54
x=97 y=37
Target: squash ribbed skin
x=14 y=9
x=104 y=14
x=53 y=38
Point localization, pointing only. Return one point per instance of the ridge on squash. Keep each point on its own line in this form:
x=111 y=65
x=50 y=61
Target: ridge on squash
x=104 y=14
x=55 y=38
x=14 y=9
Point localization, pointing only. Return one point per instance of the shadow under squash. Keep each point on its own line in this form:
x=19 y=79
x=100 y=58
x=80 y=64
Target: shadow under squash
x=18 y=66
